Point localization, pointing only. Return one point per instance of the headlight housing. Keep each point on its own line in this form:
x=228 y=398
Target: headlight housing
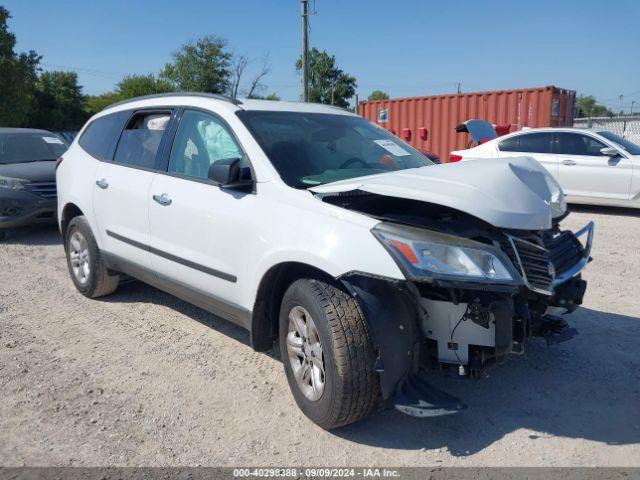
x=8 y=183
x=424 y=255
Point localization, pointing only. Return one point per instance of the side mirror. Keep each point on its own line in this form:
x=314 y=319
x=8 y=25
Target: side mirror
x=227 y=173
x=609 y=152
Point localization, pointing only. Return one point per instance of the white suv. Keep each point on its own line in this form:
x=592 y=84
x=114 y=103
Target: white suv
x=308 y=225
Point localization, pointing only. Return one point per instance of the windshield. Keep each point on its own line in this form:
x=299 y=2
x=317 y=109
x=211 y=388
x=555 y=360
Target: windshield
x=630 y=147
x=310 y=149
x=30 y=147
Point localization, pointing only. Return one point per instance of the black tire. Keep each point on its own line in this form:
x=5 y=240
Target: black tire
x=100 y=281
x=351 y=387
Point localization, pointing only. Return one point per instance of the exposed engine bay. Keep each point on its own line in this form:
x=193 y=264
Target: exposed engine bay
x=474 y=326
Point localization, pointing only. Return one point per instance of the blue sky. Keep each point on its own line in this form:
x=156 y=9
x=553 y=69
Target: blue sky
x=410 y=47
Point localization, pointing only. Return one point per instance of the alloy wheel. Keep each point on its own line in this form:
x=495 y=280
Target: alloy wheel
x=79 y=257
x=305 y=353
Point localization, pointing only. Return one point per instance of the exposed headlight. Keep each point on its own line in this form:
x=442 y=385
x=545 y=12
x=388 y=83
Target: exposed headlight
x=9 y=183
x=424 y=254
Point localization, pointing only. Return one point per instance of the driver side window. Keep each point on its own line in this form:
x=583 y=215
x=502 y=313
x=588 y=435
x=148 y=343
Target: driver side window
x=578 y=144
x=201 y=141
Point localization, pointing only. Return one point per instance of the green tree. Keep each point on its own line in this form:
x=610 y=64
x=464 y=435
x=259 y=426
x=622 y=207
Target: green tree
x=200 y=66
x=18 y=74
x=129 y=87
x=97 y=103
x=271 y=96
x=327 y=83
x=378 y=95
x=58 y=103
x=139 y=85
x=589 y=107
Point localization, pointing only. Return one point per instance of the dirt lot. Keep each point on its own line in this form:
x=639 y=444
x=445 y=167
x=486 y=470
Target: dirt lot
x=141 y=378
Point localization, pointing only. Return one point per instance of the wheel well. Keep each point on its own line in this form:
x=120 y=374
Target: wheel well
x=264 y=325
x=70 y=211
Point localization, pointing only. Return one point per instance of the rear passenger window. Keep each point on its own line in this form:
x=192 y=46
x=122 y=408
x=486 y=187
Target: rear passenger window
x=140 y=140
x=527 y=143
x=101 y=136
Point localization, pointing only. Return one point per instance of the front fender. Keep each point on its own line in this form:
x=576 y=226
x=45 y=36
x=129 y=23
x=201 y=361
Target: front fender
x=391 y=312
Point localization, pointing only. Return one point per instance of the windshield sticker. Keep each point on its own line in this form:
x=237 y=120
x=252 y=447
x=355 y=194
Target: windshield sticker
x=392 y=147
x=53 y=140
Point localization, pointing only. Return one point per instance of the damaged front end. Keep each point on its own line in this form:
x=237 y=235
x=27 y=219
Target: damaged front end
x=473 y=294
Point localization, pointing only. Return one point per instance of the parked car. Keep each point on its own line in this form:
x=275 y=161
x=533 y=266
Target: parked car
x=592 y=166
x=310 y=226
x=27 y=176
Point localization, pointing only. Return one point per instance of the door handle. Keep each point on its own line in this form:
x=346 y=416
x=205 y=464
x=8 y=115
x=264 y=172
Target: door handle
x=568 y=163
x=163 y=199
x=102 y=183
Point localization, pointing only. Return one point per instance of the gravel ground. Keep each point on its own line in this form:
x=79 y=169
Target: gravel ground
x=141 y=378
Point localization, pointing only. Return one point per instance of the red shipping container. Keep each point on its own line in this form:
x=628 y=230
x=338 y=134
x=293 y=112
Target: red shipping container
x=440 y=114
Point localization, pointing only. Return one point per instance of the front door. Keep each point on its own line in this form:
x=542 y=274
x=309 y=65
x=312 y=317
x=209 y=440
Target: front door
x=585 y=173
x=197 y=228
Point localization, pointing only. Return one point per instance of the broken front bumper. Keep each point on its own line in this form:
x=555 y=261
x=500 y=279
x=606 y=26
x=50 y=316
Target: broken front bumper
x=467 y=326
x=584 y=260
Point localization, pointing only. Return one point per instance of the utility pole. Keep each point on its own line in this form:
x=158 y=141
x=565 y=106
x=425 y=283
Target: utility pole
x=620 y=112
x=459 y=87
x=633 y=102
x=305 y=50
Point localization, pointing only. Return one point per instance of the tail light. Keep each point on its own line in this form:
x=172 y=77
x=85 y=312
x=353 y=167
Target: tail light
x=58 y=162
x=454 y=158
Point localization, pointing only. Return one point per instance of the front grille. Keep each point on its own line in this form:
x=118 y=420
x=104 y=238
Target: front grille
x=565 y=250
x=533 y=262
x=541 y=256
x=43 y=189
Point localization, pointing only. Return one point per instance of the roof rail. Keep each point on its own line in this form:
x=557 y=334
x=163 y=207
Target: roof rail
x=216 y=96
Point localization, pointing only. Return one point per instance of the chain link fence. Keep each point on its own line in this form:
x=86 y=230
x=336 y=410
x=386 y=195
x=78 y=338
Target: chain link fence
x=627 y=127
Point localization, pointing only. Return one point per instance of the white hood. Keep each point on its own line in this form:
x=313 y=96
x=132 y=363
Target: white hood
x=515 y=193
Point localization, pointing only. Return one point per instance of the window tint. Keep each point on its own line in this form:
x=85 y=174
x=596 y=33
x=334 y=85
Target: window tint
x=632 y=148
x=101 y=136
x=141 y=138
x=201 y=140
x=539 y=142
x=30 y=147
x=578 y=144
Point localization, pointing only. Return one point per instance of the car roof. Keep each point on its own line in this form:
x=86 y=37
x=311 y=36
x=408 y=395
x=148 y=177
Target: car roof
x=207 y=100
x=557 y=129
x=23 y=130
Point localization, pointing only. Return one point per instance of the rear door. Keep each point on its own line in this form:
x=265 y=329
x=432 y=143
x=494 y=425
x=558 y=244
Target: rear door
x=585 y=173
x=121 y=187
x=538 y=145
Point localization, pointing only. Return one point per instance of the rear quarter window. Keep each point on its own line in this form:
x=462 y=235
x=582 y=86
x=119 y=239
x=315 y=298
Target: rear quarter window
x=101 y=136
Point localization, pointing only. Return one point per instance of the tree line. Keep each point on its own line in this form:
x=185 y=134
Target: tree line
x=54 y=100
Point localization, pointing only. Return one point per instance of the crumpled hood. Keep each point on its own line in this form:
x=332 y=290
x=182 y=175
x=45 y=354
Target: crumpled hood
x=514 y=193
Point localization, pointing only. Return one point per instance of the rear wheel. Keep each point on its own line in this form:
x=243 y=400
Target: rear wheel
x=327 y=353
x=86 y=266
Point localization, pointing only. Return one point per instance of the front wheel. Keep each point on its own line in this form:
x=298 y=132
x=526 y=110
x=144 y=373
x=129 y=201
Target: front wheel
x=327 y=353
x=86 y=266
